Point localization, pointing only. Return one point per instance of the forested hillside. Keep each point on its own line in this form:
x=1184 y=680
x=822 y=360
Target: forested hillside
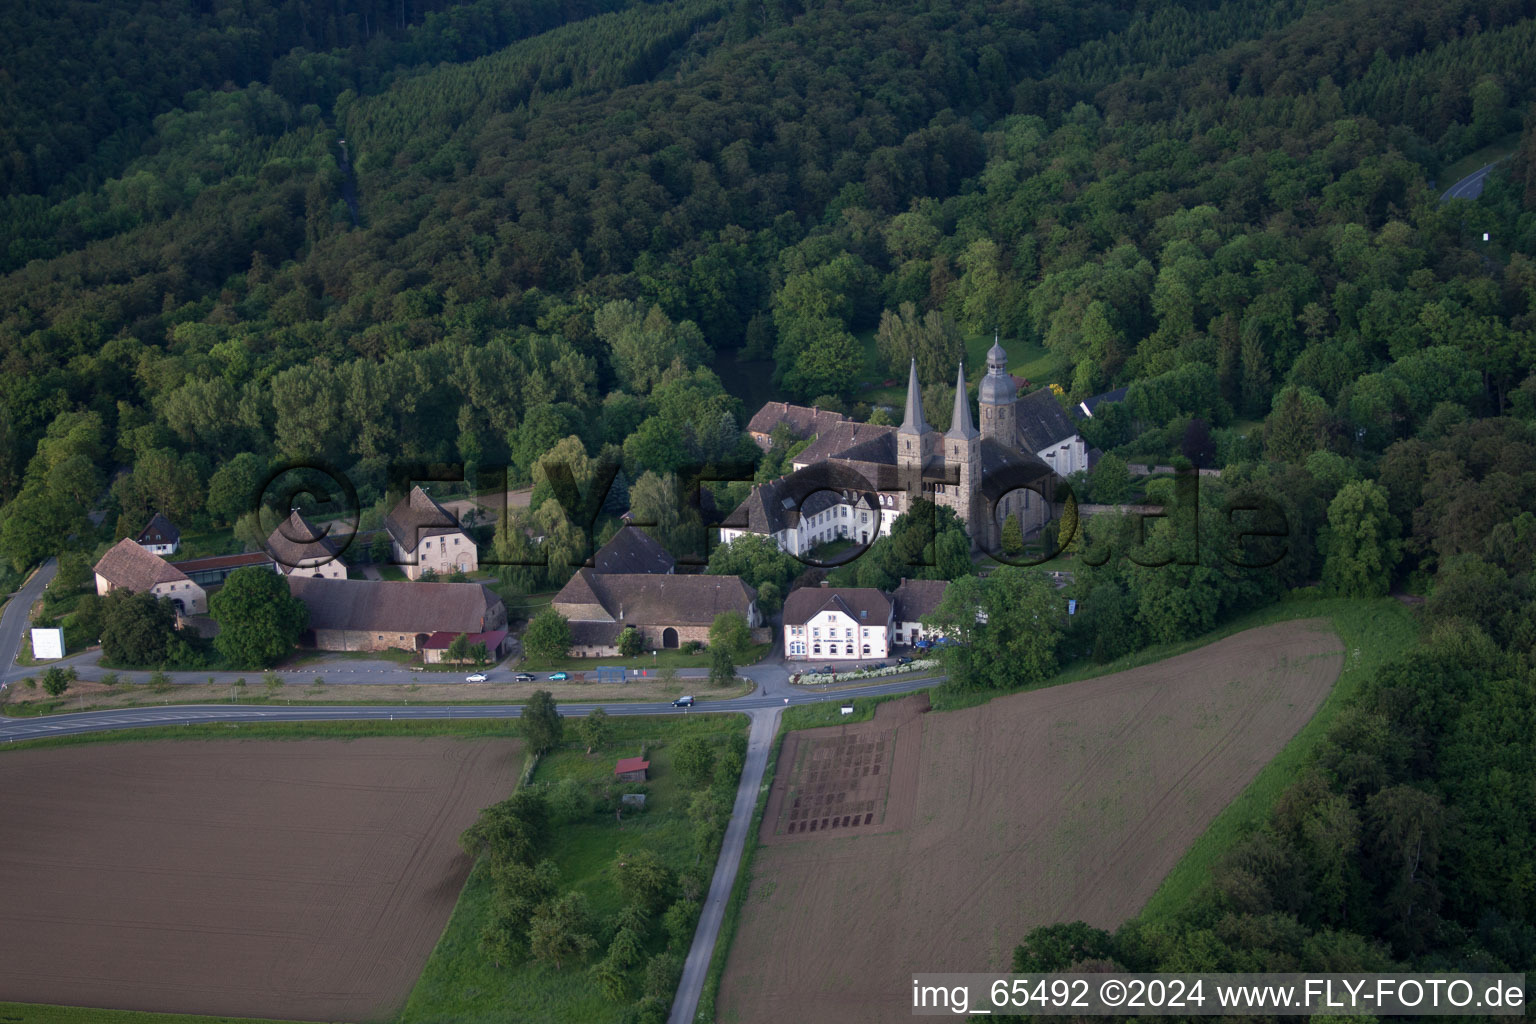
x=501 y=233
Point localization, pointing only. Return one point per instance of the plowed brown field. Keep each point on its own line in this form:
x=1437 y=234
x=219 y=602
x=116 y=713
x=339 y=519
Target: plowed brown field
x=302 y=879
x=1061 y=804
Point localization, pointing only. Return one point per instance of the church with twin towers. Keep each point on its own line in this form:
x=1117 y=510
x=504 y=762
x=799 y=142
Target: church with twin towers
x=855 y=479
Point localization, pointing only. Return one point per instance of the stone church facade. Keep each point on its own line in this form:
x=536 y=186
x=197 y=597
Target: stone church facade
x=856 y=479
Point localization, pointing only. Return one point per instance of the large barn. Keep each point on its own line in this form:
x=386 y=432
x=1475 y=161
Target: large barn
x=668 y=610
x=374 y=615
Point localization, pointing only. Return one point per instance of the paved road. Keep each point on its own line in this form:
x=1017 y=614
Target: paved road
x=13 y=622
x=759 y=739
x=1471 y=186
x=764 y=707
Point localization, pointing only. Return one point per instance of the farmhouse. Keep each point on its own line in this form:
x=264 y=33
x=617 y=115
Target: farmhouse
x=633 y=550
x=842 y=623
x=128 y=566
x=425 y=535
x=911 y=601
x=298 y=546
x=668 y=610
x=632 y=769
x=160 y=537
x=871 y=473
x=373 y=615
x=801 y=420
x=435 y=650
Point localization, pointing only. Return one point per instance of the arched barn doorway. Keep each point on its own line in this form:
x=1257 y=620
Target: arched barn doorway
x=669 y=638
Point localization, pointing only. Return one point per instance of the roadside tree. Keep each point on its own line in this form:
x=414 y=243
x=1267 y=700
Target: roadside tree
x=259 y=620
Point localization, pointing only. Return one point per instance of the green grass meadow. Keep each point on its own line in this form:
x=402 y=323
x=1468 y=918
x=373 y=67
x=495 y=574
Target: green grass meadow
x=460 y=986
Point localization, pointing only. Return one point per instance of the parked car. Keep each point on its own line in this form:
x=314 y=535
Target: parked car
x=683 y=702
x=559 y=677
x=828 y=669
x=524 y=677
x=478 y=677
x=903 y=660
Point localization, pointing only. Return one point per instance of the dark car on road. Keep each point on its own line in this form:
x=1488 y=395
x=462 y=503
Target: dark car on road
x=523 y=677
x=683 y=702
x=903 y=660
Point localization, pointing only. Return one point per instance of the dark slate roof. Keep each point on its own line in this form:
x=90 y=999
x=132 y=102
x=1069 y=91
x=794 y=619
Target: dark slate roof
x=159 y=531
x=778 y=504
x=914 y=599
x=390 y=607
x=296 y=541
x=595 y=634
x=131 y=567
x=840 y=438
x=1042 y=421
x=1006 y=469
x=417 y=516
x=651 y=599
x=1086 y=406
x=633 y=550
x=802 y=420
x=805 y=603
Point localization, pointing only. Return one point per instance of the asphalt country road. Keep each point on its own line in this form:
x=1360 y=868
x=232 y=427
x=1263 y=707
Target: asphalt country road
x=763 y=707
x=1471 y=186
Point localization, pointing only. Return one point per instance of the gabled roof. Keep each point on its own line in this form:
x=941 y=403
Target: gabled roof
x=442 y=640
x=915 y=598
x=1086 y=407
x=862 y=604
x=633 y=550
x=1042 y=421
x=224 y=562
x=131 y=567
x=159 y=531
x=651 y=599
x=802 y=420
x=779 y=504
x=630 y=764
x=417 y=516
x=841 y=438
x=297 y=542
x=391 y=607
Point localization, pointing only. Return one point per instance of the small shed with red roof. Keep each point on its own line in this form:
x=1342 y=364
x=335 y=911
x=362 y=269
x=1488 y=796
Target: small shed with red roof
x=632 y=769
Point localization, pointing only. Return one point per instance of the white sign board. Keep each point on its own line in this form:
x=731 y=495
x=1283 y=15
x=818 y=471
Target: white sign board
x=47 y=643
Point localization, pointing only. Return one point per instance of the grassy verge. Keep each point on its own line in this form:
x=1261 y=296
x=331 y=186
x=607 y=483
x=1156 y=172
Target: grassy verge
x=461 y=986
x=1498 y=150
x=1374 y=632
x=471 y=728
x=650 y=661
x=38 y=1013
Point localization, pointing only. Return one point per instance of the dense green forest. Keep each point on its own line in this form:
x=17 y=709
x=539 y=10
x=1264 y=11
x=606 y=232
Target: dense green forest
x=367 y=233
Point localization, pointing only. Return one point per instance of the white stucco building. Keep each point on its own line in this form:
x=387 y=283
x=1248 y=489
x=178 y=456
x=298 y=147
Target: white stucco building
x=849 y=624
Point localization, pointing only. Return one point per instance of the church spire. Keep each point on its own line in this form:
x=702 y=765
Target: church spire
x=914 y=422
x=961 y=428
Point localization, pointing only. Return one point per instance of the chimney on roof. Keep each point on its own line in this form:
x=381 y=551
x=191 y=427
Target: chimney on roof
x=823 y=583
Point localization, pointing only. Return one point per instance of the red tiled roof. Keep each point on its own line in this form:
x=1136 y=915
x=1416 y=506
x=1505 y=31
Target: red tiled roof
x=439 y=641
x=630 y=764
x=224 y=561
